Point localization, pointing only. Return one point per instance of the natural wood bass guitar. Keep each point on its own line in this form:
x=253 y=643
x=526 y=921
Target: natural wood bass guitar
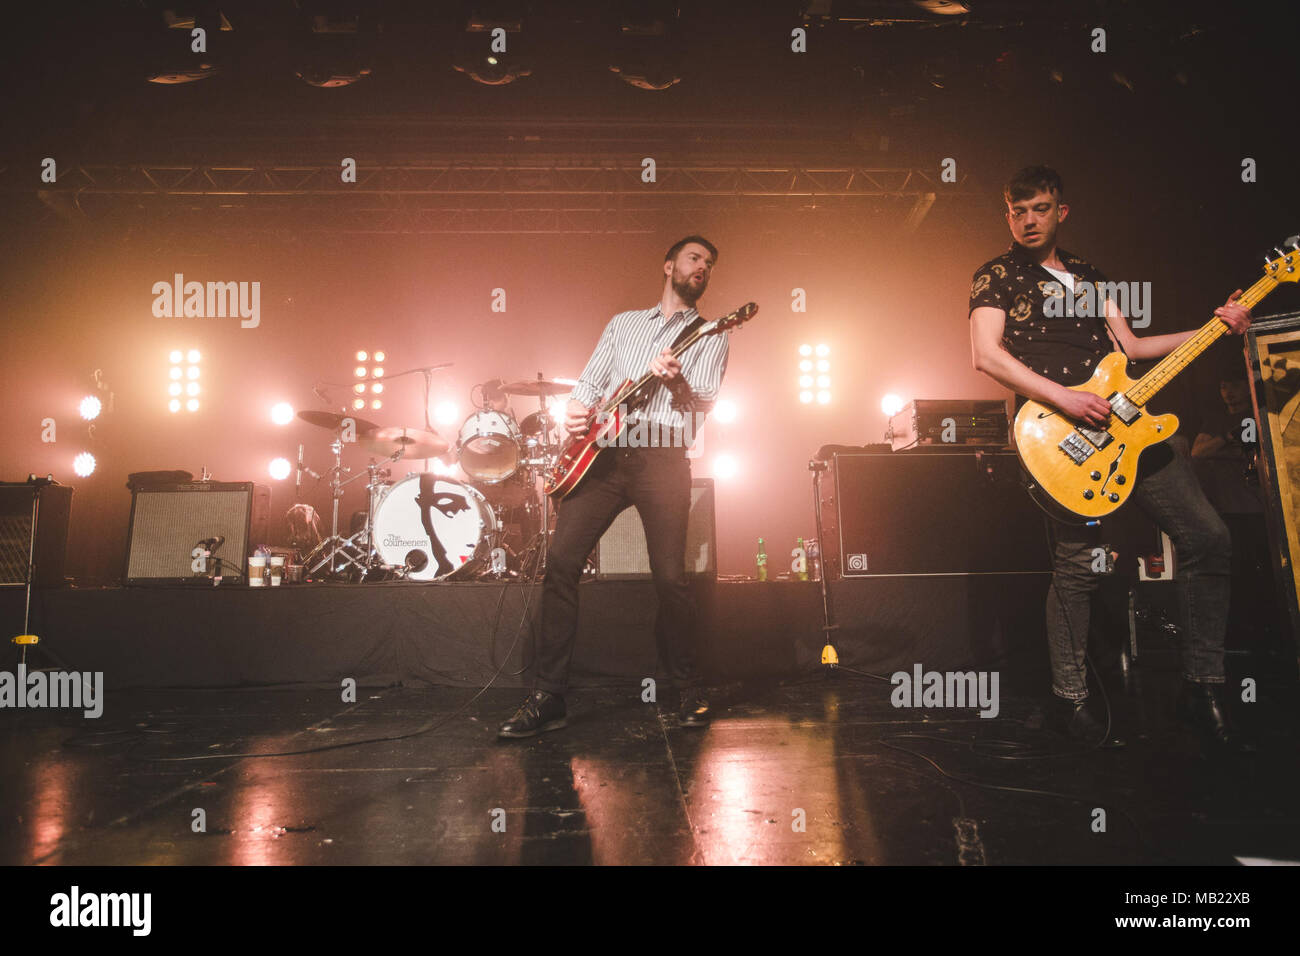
x=606 y=422
x=1083 y=472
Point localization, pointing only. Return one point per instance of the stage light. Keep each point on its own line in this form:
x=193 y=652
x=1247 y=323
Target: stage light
x=725 y=411
x=175 y=372
x=379 y=356
x=192 y=356
x=823 y=381
x=377 y=387
x=823 y=350
x=806 y=365
x=805 y=397
x=823 y=398
x=805 y=381
x=174 y=405
x=191 y=404
x=358 y=403
x=192 y=388
x=891 y=405
x=725 y=467
x=279 y=468
x=359 y=388
x=378 y=372
x=360 y=371
x=805 y=350
x=174 y=388
x=376 y=404
x=192 y=372
x=362 y=356
x=175 y=356
x=90 y=407
x=823 y=365
x=83 y=464
x=446 y=413
x=439 y=467
x=282 y=413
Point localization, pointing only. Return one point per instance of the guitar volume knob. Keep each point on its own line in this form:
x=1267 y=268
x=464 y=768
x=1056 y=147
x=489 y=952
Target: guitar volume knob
x=1087 y=494
x=1095 y=476
x=1113 y=496
x=1120 y=479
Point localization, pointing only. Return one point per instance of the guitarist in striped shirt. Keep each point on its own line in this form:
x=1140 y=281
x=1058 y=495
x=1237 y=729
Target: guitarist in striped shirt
x=650 y=470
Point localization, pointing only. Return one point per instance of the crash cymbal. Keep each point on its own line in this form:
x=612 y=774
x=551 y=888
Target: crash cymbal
x=334 y=421
x=533 y=424
x=540 y=386
x=417 y=442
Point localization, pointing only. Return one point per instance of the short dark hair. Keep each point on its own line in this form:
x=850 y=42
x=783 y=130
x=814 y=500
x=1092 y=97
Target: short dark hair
x=681 y=243
x=1031 y=181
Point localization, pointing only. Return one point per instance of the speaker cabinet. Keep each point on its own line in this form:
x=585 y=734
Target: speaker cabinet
x=929 y=512
x=168 y=520
x=47 y=547
x=622 y=554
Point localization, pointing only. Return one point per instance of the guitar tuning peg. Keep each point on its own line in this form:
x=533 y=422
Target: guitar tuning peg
x=1280 y=252
x=1294 y=242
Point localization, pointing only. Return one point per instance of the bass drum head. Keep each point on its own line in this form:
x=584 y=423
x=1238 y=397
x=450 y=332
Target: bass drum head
x=456 y=514
x=490 y=446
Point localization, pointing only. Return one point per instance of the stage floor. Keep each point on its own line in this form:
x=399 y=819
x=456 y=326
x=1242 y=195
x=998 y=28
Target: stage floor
x=624 y=784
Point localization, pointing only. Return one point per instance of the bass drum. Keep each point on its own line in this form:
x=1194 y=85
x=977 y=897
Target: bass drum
x=491 y=446
x=433 y=526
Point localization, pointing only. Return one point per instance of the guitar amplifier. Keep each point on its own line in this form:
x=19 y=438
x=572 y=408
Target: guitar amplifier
x=46 y=545
x=621 y=553
x=950 y=422
x=168 y=520
x=960 y=512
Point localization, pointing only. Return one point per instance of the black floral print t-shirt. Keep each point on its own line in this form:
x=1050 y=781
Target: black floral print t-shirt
x=1065 y=349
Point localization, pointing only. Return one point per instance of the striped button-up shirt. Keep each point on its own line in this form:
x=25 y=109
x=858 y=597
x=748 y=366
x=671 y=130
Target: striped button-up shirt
x=626 y=347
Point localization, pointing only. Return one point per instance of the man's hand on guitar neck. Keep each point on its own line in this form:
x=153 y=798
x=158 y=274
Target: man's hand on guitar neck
x=1235 y=317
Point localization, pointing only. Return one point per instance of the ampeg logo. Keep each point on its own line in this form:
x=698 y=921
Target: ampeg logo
x=856 y=562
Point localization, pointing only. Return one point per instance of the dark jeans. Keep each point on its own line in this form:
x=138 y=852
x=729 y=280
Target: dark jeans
x=658 y=482
x=1168 y=491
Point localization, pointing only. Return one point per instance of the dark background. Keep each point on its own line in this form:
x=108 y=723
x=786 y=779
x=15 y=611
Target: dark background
x=1149 y=137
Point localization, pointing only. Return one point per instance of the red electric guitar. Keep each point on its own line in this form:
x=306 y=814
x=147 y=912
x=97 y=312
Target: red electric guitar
x=606 y=422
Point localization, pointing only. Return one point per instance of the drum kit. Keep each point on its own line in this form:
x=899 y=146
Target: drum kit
x=429 y=526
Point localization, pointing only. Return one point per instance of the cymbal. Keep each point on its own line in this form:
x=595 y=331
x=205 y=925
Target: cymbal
x=334 y=421
x=532 y=425
x=417 y=442
x=538 y=386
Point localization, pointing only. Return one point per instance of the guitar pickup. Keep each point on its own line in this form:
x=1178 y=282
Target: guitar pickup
x=1125 y=410
x=1076 y=448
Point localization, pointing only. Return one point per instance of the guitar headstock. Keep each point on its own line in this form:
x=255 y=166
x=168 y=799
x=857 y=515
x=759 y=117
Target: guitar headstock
x=1283 y=268
x=734 y=319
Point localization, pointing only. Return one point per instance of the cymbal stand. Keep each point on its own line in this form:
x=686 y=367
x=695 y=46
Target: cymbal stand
x=335 y=545
x=366 y=534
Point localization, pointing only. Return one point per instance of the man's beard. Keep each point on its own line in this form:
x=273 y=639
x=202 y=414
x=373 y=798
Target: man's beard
x=686 y=292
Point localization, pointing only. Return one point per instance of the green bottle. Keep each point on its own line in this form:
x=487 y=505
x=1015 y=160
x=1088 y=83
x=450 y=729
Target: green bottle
x=762 y=561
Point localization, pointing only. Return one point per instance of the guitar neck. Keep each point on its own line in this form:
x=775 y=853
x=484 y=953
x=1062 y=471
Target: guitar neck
x=1177 y=360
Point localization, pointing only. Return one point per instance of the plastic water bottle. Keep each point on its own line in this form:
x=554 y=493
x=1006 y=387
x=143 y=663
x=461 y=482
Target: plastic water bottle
x=762 y=561
x=800 y=563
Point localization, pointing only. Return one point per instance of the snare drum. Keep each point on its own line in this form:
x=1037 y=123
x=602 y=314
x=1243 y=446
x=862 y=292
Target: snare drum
x=436 y=527
x=491 y=446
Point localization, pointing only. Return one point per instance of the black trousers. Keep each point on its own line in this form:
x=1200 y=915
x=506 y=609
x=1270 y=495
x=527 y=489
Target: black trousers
x=658 y=482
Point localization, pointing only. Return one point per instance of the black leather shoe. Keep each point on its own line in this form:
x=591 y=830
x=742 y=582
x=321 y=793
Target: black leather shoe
x=694 y=711
x=1076 y=721
x=1203 y=710
x=542 y=711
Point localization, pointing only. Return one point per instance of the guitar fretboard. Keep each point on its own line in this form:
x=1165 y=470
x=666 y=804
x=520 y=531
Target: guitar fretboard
x=1181 y=357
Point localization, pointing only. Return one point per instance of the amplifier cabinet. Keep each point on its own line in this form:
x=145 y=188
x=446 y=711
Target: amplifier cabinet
x=621 y=553
x=47 y=549
x=169 y=520
x=932 y=512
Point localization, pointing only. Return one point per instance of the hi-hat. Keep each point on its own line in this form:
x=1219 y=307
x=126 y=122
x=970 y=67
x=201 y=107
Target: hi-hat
x=334 y=421
x=414 y=442
x=539 y=386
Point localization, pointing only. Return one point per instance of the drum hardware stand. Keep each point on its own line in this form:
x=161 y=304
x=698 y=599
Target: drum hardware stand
x=829 y=655
x=366 y=534
x=27 y=639
x=335 y=545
